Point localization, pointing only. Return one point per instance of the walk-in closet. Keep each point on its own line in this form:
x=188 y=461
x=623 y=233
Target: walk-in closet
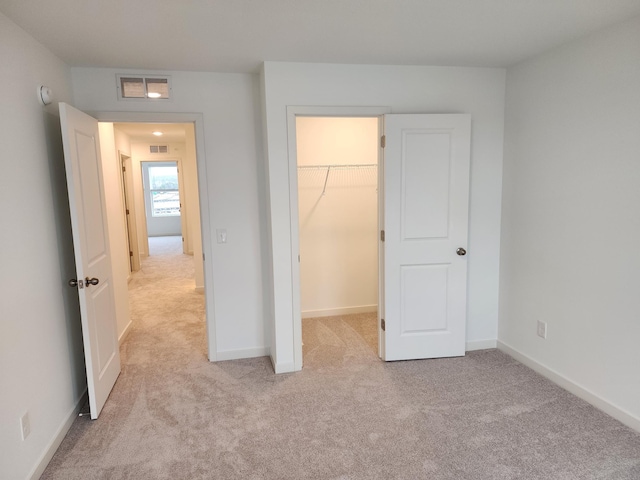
x=337 y=161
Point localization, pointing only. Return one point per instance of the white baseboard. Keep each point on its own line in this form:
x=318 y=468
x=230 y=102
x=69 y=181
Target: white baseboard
x=242 y=353
x=480 y=345
x=124 y=334
x=600 y=403
x=281 y=367
x=331 y=312
x=53 y=445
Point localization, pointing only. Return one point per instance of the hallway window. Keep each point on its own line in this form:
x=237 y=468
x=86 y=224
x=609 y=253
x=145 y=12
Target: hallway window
x=165 y=196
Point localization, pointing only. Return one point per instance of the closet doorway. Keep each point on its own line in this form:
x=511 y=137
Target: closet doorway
x=337 y=164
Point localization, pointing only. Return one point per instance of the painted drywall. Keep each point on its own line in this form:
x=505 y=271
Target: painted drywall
x=570 y=223
x=138 y=150
x=41 y=356
x=192 y=204
x=229 y=104
x=112 y=179
x=338 y=215
x=477 y=91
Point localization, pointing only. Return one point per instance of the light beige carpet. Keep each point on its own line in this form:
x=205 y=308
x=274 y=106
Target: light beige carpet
x=346 y=416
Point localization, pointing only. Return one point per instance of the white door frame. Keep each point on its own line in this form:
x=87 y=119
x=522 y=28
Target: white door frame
x=205 y=212
x=318 y=111
x=129 y=218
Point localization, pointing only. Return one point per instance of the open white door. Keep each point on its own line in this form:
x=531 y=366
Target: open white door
x=426 y=200
x=91 y=245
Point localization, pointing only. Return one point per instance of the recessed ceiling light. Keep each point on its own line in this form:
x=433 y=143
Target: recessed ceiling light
x=157 y=133
x=154 y=95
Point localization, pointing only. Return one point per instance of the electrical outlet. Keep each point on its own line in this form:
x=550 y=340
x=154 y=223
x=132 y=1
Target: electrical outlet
x=25 y=425
x=542 y=329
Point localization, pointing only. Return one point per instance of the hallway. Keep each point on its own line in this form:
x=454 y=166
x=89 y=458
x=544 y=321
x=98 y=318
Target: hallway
x=167 y=313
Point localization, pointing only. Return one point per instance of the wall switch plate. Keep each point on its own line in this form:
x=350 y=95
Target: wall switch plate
x=25 y=425
x=542 y=329
x=221 y=234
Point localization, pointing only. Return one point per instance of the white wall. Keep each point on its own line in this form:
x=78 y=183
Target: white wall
x=138 y=197
x=571 y=225
x=123 y=147
x=192 y=202
x=338 y=230
x=229 y=104
x=118 y=243
x=478 y=91
x=41 y=356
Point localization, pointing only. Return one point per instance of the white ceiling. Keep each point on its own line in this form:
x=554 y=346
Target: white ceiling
x=142 y=132
x=238 y=35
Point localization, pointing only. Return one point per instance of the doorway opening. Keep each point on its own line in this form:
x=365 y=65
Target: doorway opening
x=161 y=219
x=131 y=231
x=161 y=191
x=337 y=200
x=99 y=210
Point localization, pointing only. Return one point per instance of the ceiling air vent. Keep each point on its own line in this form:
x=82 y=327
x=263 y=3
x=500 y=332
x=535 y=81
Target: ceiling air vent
x=143 y=87
x=158 y=149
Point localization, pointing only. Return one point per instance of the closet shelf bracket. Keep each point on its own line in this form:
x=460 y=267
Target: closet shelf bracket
x=324 y=189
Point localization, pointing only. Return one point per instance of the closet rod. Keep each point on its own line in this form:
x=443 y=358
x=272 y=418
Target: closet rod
x=355 y=165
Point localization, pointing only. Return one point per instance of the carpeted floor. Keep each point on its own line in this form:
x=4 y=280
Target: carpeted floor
x=346 y=416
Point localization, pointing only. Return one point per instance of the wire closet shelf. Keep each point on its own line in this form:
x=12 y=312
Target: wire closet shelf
x=338 y=167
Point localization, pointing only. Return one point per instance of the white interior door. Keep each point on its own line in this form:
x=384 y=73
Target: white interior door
x=426 y=198
x=91 y=245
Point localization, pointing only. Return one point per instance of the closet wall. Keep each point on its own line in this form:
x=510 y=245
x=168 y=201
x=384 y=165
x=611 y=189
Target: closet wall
x=338 y=229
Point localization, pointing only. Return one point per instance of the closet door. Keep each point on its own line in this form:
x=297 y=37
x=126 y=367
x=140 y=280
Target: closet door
x=426 y=199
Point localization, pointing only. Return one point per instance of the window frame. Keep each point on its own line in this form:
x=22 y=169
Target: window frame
x=161 y=190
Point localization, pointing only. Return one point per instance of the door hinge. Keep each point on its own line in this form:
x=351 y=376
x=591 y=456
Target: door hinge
x=124 y=169
x=127 y=211
x=382 y=235
x=298 y=258
x=130 y=253
x=203 y=257
x=383 y=141
x=382 y=324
